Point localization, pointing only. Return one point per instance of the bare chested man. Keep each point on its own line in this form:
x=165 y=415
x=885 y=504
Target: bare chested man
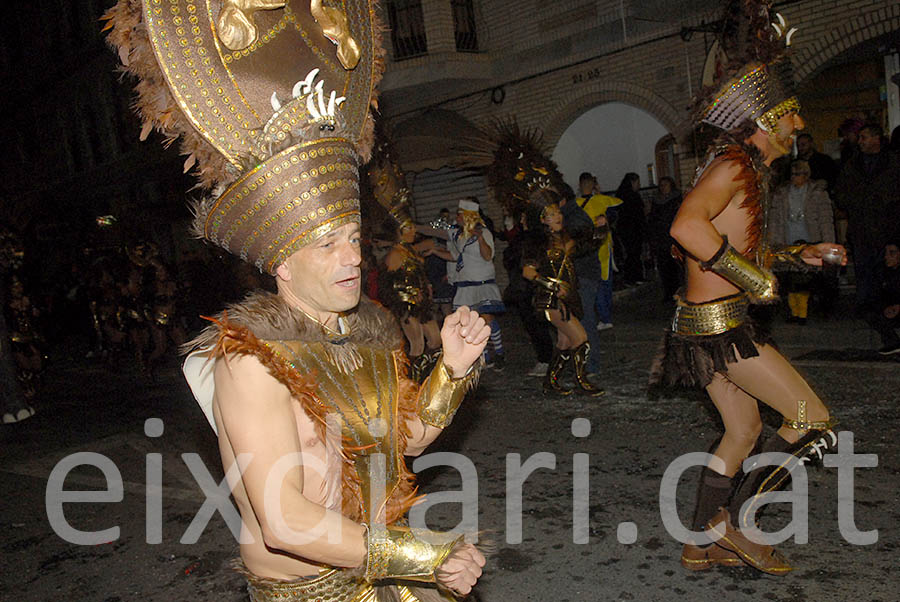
x=306 y=387
x=291 y=488
x=713 y=344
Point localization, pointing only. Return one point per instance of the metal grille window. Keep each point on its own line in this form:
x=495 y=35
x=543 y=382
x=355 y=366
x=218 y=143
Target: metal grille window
x=407 y=28
x=464 y=26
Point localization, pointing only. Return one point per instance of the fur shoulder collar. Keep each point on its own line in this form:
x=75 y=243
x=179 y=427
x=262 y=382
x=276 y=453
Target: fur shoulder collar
x=268 y=317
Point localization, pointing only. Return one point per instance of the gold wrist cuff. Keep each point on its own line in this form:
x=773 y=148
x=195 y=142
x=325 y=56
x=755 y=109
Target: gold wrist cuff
x=760 y=284
x=441 y=394
x=403 y=553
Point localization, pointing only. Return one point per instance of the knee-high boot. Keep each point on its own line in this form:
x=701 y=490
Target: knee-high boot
x=713 y=492
x=760 y=480
x=741 y=512
x=554 y=371
x=579 y=362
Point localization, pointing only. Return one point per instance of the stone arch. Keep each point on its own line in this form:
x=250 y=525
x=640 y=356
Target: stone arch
x=809 y=60
x=604 y=92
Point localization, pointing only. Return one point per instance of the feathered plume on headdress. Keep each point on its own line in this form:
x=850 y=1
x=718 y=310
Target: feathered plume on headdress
x=751 y=77
x=387 y=180
x=515 y=161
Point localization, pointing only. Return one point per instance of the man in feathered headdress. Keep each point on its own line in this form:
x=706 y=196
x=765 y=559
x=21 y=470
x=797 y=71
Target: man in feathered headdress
x=712 y=343
x=306 y=387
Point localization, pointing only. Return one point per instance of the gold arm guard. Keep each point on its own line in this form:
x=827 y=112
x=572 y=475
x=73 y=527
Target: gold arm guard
x=402 y=553
x=759 y=283
x=441 y=394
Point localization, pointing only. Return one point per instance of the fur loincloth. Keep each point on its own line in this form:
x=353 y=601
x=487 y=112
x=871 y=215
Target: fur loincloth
x=690 y=362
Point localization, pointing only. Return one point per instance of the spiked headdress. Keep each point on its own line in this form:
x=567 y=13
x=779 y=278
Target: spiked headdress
x=271 y=100
x=515 y=161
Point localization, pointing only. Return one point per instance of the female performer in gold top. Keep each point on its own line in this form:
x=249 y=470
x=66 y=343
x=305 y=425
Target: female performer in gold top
x=405 y=290
x=548 y=263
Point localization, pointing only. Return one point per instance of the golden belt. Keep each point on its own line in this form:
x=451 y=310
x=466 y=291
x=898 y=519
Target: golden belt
x=712 y=317
x=333 y=585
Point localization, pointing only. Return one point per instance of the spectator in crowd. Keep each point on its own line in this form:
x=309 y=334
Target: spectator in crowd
x=631 y=227
x=868 y=189
x=662 y=212
x=849 y=134
x=884 y=314
x=821 y=166
x=800 y=213
x=603 y=210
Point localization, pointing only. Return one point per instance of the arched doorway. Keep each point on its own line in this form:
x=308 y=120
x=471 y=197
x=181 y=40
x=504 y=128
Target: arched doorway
x=610 y=140
x=853 y=83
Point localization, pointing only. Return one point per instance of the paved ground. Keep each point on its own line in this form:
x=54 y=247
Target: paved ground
x=92 y=408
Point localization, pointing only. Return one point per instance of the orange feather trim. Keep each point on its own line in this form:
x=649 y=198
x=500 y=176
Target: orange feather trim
x=236 y=339
x=751 y=179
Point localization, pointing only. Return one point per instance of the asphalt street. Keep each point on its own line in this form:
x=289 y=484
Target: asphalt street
x=613 y=457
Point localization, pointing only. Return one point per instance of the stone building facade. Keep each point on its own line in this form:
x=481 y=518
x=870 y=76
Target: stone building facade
x=546 y=63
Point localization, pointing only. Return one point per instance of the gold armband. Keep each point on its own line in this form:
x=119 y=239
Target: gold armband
x=441 y=394
x=403 y=553
x=760 y=284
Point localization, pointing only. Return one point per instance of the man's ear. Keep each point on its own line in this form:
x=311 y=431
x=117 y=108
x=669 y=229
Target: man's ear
x=283 y=272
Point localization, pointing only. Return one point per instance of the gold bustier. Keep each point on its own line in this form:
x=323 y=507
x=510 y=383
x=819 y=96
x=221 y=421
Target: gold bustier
x=411 y=282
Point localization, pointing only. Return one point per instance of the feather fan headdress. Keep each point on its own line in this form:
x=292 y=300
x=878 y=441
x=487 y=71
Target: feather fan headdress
x=515 y=161
x=271 y=101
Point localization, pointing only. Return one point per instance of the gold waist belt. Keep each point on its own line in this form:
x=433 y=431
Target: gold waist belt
x=333 y=585
x=714 y=317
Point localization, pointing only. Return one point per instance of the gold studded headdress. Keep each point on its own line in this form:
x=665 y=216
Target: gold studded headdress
x=271 y=100
x=754 y=73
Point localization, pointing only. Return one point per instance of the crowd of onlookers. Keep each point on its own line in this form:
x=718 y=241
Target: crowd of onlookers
x=853 y=200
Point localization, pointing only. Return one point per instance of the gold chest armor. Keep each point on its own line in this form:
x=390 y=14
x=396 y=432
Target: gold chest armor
x=365 y=400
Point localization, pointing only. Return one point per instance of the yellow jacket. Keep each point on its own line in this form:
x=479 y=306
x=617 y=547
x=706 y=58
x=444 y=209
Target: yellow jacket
x=596 y=206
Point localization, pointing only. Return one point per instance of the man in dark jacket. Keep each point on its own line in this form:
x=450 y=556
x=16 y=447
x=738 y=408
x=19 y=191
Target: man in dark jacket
x=884 y=314
x=868 y=189
x=822 y=166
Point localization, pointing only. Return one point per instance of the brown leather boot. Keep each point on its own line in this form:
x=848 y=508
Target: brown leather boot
x=695 y=558
x=762 y=557
x=554 y=370
x=579 y=361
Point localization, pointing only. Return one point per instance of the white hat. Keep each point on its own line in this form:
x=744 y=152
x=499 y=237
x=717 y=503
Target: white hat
x=465 y=205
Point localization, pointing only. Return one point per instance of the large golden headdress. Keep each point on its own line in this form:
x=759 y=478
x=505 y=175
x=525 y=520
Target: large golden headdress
x=272 y=103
